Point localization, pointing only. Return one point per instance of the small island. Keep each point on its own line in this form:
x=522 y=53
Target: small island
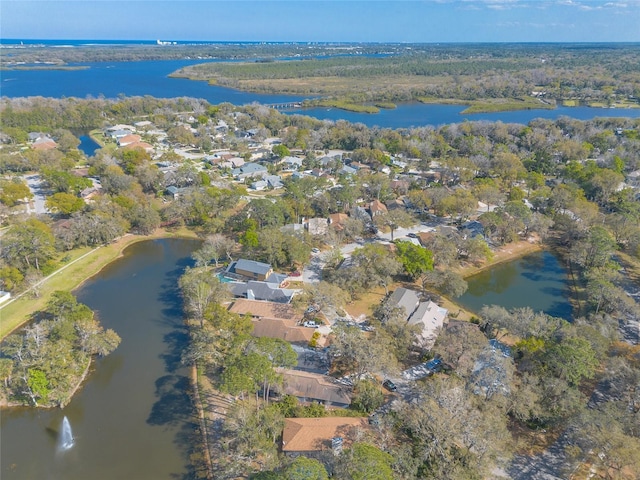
x=45 y=363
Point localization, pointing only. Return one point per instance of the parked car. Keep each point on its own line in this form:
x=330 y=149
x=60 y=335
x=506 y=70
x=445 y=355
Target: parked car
x=389 y=385
x=315 y=250
x=295 y=274
x=310 y=324
x=412 y=235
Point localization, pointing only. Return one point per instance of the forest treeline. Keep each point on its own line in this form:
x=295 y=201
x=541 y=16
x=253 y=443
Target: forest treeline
x=555 y=74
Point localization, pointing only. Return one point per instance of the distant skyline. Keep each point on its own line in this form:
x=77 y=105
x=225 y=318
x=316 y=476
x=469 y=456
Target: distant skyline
x=400 y=21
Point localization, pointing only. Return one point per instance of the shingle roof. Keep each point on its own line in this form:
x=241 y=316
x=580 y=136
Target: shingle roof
x=314 y=386
x=405 y=298
x=273 y=320
x=315 y=434
x=286 y=330
x=252 y=266
x=265 y=310
x=262 y=291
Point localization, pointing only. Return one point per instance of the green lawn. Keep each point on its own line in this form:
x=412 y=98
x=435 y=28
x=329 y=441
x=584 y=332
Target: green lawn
x=18 y=312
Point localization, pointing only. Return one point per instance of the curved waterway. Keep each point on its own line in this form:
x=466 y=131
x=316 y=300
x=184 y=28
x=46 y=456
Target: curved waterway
x=537 y=280
x=133 y=418
x=111 y=79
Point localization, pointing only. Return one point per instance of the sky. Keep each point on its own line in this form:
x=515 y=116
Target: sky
x=402 y=21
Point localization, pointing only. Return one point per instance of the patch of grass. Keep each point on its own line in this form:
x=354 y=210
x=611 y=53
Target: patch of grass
x=505 y=105
x=71 y=276
x=365 y=302
x=386 y=105
x=343 y=105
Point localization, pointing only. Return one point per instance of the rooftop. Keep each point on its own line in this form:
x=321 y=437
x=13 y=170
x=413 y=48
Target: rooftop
x=315 y=434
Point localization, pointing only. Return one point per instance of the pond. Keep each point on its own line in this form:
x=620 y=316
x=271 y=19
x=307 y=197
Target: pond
x=88 y=146
x=537 y=280
x=133 y=417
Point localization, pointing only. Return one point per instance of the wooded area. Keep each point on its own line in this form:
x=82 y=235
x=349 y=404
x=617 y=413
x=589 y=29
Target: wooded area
x=569 y=183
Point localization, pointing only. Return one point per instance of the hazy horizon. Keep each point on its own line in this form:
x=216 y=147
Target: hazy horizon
x=309 y=21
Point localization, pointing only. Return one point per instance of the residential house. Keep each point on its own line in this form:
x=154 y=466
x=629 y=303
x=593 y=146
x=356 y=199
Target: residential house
x=376 y=207
x=292 y=163
x=337 y=220
x=306 y=436
x=256 y=290
x=472 y=229
x=250 y=269
x=347 y=170
x=128 y=139
x=142 y=145
x=397 y=204
x=317 y=226
x=274 y=181
x=175 y=192
x=406 y=299
x=359 y=166
x=44 y=143
x=400 y=187
x=274 y=320
x=33 y=136
x=259 y=185
x=249 y=170
x=314 y=387
x=430 y=317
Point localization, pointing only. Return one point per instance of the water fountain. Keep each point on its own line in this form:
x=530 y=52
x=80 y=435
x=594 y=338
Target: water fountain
x=65 y=441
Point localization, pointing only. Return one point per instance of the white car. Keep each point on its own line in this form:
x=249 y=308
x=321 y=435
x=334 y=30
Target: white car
x=310 y=324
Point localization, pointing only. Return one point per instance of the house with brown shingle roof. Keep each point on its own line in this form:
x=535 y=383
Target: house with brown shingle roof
x=376 y=207
x=128 y=139
x=314 y=387
x=275 y=320
x=44 y=143
x=337 y=220
x=313 y=435
x=142 y=145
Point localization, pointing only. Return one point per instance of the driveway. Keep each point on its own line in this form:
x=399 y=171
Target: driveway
x=35 y=184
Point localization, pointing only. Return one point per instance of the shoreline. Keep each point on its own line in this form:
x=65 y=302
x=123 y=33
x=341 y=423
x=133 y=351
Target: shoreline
x=506 y=253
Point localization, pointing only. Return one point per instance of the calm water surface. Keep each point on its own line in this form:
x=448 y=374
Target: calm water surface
x=87 y=145
x=133 y=417
x=111 y=79
x=538 y=281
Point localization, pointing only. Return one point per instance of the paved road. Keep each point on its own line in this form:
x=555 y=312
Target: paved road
x=35 y=184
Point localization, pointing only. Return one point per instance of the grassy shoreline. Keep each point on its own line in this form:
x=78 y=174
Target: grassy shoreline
x=86 y=264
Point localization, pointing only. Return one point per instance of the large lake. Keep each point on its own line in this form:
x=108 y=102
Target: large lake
x=537 y=280
x=111 y=79
x=133 y=418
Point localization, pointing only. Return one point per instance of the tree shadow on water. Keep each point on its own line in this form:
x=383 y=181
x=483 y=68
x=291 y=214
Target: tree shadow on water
x=173 y=405
x=176 y=342
x=174 y=408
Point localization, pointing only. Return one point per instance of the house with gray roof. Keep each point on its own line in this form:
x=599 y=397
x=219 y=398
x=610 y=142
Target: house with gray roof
x=255 y=290
x=249 y=170
x=314 y=387
x=250 y=269
x=274 y=181
x=406 y=299
x=430 y=317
